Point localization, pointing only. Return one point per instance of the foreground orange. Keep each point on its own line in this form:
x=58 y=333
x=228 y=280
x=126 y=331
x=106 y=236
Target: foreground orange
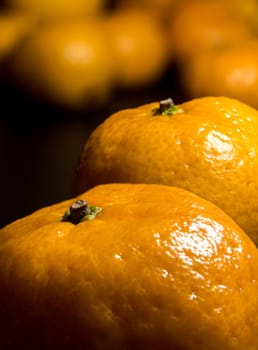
x=155 y=267
x=207 y=145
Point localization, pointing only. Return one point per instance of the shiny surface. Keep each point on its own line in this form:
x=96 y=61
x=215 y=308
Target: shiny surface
x=155 y=263
x=40 y=145
x=210 y=149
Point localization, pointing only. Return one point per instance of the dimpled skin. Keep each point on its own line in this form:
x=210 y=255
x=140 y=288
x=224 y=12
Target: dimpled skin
x=156 y=262
x=210 y=149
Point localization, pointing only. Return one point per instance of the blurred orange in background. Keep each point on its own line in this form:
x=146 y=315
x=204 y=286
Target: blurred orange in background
x=140 y=49
x=50 y=8
x=14 y=26
x=249 y=10
x=157 y=8
x=230 y=71
x=201 y=24
x=65 y=63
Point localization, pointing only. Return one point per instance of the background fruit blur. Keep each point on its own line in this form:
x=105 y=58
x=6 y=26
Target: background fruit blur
x=67 y=65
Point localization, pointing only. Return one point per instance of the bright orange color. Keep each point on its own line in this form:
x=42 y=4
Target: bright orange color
x=54 y=8
x=202 y=24
x=230 y=71
x=248 y=9
x=14 y=26
x=209 y=147
x=139 y=45
x=158 y=268
x=158 y=8
x=65 y=62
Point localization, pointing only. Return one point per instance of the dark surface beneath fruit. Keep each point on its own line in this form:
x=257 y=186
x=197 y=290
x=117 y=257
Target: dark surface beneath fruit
x=40 y=144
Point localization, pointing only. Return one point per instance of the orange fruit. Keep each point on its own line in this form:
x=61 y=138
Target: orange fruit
x=140 y=49
x=14 y=26
x=49 y=8
x=202 y=24
x=230 y=71
x=207 y=145
x=249 y=10
x=158 y=8
x=156 y=267
x=65 y=63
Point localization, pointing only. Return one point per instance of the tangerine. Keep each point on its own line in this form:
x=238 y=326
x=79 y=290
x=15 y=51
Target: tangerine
x=65 y=63
x=206 y=145
x=57 y=8
x=139 y=47
x=14 y=27
x=234 y=72
x=128 y=266
x=200 y=24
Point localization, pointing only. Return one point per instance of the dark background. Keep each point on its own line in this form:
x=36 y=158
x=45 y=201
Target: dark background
x=40 y=144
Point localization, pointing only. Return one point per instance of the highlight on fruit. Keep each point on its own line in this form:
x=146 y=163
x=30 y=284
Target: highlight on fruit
x=80 y=211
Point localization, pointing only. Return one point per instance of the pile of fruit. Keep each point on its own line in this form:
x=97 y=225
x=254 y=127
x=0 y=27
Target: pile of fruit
x=76 y=53
x=157 y=247
x=160 y=252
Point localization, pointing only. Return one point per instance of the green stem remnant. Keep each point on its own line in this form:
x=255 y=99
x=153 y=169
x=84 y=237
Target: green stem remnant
x=167 y=107
x=80 y=211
